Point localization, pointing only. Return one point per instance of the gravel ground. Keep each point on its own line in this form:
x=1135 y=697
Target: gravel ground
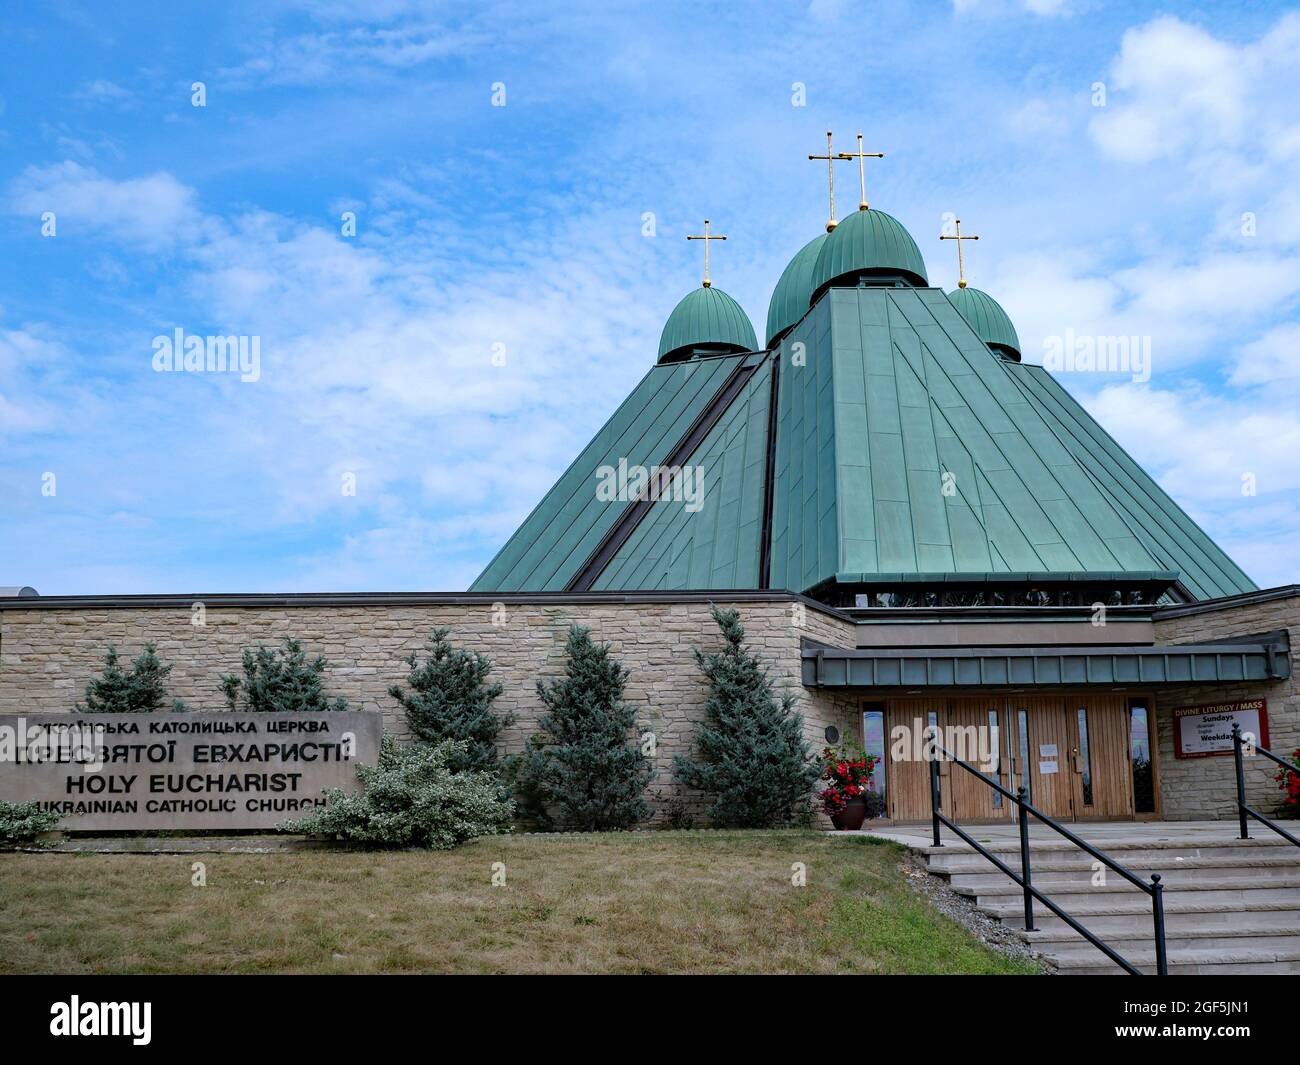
x=961 y=909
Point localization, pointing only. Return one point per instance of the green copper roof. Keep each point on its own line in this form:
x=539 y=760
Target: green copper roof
x=868 y=241
x=905 y=450
x=717 y=545
x=990 y=322
x=793 y=292
x=1173 y=539
x=901 y=449
x=706 y=318
x=564 y=529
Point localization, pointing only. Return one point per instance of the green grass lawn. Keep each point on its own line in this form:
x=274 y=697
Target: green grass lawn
x=651 y=902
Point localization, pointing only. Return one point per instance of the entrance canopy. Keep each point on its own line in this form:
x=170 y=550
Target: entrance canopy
x=1252 y=658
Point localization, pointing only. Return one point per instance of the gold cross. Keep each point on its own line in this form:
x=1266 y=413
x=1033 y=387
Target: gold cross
x=860 y=155
x=961 y=266
x=706 y=237
x=830 y=158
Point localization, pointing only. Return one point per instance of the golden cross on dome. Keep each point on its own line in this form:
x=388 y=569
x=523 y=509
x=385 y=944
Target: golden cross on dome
x=961 y=266
x=830 y=158
x=860 y=155
x=706 y=236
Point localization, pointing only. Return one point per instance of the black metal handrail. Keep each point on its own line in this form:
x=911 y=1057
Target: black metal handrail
x=1155 y=889
x=1238 y=742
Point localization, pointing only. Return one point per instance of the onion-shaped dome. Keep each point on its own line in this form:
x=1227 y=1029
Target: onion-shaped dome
x=868 y=243
x=794 y=290
x=706 y=319
x=990 y=322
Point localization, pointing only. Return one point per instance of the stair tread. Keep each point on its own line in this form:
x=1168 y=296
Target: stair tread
x=1068 y=935
x=1085 y=863
x=1183 y=957
x=1106 y=846
x=1142 y=906
x=1120 y=886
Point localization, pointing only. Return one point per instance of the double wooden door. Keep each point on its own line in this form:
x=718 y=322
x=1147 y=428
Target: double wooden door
x=1077 y=756
x=1070 y=752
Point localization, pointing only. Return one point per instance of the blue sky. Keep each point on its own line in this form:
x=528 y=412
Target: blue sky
x=1170 y=212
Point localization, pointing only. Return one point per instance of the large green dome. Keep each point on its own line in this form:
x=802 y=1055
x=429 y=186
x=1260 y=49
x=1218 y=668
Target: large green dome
x=869 y=242
x=794 y=290
x=706 y=318
x=990 y=322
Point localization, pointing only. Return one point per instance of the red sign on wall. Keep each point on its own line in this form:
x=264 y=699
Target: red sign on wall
x=1203 y=731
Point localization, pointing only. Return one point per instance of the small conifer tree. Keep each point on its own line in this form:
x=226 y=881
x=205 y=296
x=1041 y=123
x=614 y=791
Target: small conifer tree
x=583 y=763
x=142 y=689
x=277 y=681
x=753 y=758
x=450 y=699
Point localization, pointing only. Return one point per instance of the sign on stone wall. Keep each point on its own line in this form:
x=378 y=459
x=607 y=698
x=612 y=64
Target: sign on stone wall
x=111 y=772
x=1202 y=731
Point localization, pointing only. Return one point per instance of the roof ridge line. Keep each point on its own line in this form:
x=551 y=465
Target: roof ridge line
x=636 y=510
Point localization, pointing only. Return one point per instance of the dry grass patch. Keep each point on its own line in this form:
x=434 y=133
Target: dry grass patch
x=617 y=903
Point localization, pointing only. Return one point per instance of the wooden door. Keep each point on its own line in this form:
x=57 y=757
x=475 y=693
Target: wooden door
x=974 y=735
x=1051 y=782
x=1100 y=767
x=908 y=785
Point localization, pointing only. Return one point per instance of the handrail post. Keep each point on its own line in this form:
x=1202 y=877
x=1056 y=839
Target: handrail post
x=1024 y=860
x=934 y=797
x=1158 y=916
x=1241 y=779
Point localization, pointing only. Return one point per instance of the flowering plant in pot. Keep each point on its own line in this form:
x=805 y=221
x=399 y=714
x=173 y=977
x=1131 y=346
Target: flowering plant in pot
x=847 y=770
x=1289 y=781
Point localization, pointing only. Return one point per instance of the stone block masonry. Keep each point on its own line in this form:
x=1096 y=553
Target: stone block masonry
x=1205 y=788
x=49 y=653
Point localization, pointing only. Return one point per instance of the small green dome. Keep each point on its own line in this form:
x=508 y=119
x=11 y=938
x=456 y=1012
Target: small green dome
x=794 y=290
x=706 y=318
x=990 y=322
x=868 y=242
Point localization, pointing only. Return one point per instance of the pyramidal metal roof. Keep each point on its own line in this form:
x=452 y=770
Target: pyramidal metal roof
x=896 y=447
x=547 y=551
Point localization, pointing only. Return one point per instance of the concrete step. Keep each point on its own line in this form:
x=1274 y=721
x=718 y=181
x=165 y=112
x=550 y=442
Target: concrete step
x=1231 y=906
x=956 y=859
x=1135 y=918
x=1191 y=963
x=1172 y=871
x=1223 y=938
x=1260 y=887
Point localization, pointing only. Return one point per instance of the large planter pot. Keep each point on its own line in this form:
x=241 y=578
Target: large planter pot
x=851 y=817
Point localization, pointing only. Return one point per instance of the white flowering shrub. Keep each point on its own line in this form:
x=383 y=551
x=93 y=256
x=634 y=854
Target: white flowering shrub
x=412 y=798
x=22 y=822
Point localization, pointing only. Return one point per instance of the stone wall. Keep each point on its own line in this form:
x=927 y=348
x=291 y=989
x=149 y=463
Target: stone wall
x=1205 y=788
x=48 y=655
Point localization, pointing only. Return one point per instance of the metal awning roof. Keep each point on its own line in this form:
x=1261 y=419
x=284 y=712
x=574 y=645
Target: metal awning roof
x=1254 y=658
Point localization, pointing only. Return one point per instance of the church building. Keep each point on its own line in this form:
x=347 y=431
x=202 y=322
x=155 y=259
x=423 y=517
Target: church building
x=918 y=528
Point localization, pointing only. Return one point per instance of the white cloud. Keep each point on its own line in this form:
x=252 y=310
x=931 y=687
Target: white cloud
x=1202 y=448
x=101 y=91
x=1272 y=359
x=1177 y=91
x=1047 y=8
x=151 y=212
x=345 y=55
x=1191 y=311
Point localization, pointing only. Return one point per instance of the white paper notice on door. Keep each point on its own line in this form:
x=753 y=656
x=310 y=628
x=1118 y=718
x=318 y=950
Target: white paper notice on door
x=1046 y=767
x=1047 y=750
